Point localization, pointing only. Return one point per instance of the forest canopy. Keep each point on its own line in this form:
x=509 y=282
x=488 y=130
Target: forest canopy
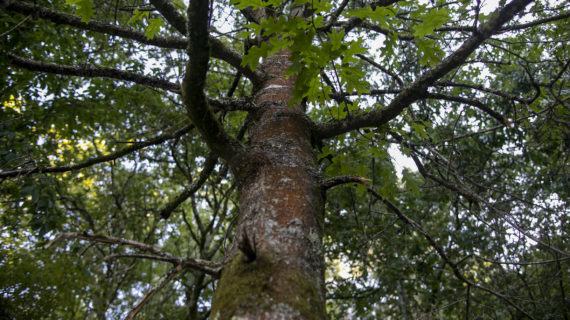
x=306 y=159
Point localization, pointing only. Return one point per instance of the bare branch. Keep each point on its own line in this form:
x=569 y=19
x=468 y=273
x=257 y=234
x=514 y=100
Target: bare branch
x=205 y=266
x=335 y=15
x=188 y=192
x=92 y=72
x=382 y=68
x=224 y=104
x=61 y=18
x=480 y=88
x=171 y=275
x=418 y=88
x=387 y=32
x=142 y=256
x=92 y=161
x=471 y=102
x=336 y=181
x=513 y=27
x=109 y=240
x=562 y=16
x=353 y=22
x=522 y=263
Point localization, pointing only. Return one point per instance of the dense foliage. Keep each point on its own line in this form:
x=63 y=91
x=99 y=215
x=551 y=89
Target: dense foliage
x=475 y=226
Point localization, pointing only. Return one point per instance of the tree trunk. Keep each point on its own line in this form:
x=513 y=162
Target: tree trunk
x=278 y=271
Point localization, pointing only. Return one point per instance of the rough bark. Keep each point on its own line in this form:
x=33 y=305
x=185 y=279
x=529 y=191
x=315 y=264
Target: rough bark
x=278 y=271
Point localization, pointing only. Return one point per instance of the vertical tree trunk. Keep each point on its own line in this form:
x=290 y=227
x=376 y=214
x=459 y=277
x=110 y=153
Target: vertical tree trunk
x=278 y=273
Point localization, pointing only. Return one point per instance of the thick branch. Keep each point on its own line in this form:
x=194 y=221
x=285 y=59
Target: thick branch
x=340 y=180
x=418 y=88
x=171 y=14
x=340 y=96
x=219 y=50
x=92 y=161
x=92 y=72
x=232 y=104
x=225 y=53
x=195 y=80
x=224 y=104
x=253 y=15
x=61 y=18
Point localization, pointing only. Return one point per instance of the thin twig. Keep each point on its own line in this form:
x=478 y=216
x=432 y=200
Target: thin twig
x=15 y=27
x=173 y=273
x=95 y=160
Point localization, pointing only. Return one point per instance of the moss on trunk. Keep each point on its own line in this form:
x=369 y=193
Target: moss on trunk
x=262 y=289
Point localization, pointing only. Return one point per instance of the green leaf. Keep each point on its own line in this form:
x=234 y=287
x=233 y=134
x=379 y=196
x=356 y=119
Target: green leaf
x=84 y=8
x=432 y=20
x=255 y=53
x=153 y=27
x=138 y=16
x=354 y=47
x=411 y=182
x=430 y=51
x=255 y=4
x=336 y=38
x=380 y=15
x=420 y=130
x=325 y=152
x=179 y=4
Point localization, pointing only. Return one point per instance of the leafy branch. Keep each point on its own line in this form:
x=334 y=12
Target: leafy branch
x=418 y=88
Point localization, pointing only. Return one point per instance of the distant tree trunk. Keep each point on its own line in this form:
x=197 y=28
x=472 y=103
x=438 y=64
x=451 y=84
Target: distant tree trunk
x=403 y=301
x=193 y=295
x=278 y=271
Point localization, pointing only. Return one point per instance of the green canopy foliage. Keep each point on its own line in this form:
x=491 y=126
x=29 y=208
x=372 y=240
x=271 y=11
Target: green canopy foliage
x=487 y=147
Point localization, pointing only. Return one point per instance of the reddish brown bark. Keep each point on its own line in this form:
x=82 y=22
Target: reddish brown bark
x=281 y=215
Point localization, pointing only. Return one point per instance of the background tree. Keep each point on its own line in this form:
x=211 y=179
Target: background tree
x=166 y=159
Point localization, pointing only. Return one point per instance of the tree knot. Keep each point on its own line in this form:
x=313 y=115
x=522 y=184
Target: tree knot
x=247 y=247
